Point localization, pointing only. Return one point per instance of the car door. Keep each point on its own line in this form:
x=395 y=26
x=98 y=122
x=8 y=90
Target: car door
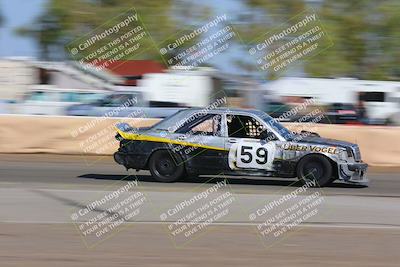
x=250 y=143
x=203 y=142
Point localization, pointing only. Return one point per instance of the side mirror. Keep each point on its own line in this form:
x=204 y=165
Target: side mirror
x=307 y=133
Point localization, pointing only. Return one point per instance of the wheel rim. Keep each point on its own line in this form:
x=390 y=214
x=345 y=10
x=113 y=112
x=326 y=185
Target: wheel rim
x=313 y=171
x=165 y=166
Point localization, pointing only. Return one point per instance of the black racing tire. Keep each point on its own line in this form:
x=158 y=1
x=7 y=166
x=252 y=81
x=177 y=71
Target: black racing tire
x=315 y=167
x=165 y=166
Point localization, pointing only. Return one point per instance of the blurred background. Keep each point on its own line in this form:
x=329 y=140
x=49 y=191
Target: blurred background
x=353 y=81
x=57 y=140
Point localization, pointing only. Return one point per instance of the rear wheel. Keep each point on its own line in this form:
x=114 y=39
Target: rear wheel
x=166 y=166
x=315 y=168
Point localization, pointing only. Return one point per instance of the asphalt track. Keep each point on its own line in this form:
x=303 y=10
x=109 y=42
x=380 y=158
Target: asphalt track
x=354 y=226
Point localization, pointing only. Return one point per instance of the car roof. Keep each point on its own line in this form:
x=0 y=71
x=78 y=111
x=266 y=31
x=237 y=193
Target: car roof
x=222 y=110
x=181 y=117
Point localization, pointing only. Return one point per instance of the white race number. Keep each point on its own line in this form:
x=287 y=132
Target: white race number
x=255 y=155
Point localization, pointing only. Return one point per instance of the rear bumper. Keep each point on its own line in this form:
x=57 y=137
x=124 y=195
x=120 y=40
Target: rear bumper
x=130 y=161
x=120 y=158
x=353 y=173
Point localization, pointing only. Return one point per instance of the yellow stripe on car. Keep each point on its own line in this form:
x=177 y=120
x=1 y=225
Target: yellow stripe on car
x=149 y=138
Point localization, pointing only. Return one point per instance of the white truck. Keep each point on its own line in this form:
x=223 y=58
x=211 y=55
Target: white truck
x=181 y=88
x=381 y=98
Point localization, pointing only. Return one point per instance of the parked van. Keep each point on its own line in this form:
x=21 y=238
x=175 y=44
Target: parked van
x=47 y=100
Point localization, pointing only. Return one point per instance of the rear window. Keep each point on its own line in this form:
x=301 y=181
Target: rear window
x=162 y=104
x=341 y=106
x=70 y=97
x=373 y=97
x=90 y=97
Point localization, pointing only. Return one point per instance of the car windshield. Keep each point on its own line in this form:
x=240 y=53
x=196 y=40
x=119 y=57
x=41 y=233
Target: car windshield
x=279 y=128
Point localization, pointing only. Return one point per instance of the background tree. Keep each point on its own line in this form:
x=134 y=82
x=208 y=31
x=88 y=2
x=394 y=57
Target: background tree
x=64 y=21
x=365 y=35
x=263 y=17
x=1 y=18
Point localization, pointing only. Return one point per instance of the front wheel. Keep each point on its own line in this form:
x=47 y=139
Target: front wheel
x=315 y=168
x=166 y=167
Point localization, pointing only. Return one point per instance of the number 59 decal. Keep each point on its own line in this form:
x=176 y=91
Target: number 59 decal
x=254 y=155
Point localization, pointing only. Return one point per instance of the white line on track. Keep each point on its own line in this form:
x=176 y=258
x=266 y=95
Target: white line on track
x=308 y=225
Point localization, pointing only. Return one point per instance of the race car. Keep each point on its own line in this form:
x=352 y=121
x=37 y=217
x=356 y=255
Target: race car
x=242 y=142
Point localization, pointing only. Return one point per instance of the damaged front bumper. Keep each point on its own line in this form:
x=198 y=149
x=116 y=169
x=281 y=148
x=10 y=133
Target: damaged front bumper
x=353 y=173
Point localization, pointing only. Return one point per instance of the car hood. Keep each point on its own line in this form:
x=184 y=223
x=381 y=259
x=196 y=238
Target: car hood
x=324 y=141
